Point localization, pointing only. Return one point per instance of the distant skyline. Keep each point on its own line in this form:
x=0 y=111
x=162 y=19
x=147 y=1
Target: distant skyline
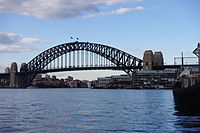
x=29 y=27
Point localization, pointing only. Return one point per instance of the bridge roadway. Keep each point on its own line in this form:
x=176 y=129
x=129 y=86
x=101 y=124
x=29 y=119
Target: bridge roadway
x=88 y=68
x=173 y=66
x=73 y=69
x=4 y=75
x=98 y=68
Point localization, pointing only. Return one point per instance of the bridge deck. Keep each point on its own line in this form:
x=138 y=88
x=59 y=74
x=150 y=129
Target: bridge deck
x=99 y=68
x=4 y=74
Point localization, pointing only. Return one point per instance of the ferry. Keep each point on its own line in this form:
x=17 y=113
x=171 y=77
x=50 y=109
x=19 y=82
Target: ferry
x=187 y=90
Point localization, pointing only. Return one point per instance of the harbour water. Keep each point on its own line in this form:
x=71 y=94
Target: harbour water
x=92 y=110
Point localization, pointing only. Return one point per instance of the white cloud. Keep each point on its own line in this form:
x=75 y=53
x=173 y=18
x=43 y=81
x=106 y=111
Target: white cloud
x=33 y=40
x=29 y=40
x=11 y=42
x=15 y=48
x=8 y=38
x=17 y=39
x=113 y=2
x=52 y=9
x=123 y=10
x=140 y=8
x=116 y=12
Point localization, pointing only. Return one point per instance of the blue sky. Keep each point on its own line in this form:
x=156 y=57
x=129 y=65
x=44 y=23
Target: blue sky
x=29 y=27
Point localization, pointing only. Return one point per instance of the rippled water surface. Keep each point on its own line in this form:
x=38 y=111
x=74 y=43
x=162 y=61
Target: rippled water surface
x=87 y=110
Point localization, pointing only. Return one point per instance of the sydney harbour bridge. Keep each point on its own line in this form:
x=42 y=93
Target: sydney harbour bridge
x=76 y=56
x=73 y=56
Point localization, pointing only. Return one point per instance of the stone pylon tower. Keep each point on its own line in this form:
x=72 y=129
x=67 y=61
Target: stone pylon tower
x=148 y=60
x=13 y=75
x=158 y=59
x=22 y=67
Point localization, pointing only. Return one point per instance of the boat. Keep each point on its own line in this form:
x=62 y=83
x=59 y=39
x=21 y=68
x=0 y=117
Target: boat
x=188 y=96
x=187 y=90
x=187 y=100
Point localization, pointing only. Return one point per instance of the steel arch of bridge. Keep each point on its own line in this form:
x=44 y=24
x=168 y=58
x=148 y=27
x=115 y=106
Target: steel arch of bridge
x=121 y=59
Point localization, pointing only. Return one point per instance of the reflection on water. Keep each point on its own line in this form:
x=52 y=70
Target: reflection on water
x=86 y=110
x=185 y=109
x=187 y=103
x=189 y=124
x=188 y=114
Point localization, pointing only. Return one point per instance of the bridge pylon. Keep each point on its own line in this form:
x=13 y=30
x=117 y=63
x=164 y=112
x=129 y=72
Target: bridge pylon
x=17 y=79
x=14 y=82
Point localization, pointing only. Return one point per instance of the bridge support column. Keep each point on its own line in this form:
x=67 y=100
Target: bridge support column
x=14 y=82
x=148 y=60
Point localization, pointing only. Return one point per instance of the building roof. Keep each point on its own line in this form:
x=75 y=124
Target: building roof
x=104 y=78
x=155 y=71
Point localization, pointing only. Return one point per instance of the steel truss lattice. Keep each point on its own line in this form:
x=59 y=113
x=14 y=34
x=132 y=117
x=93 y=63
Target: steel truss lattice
x=120 y=59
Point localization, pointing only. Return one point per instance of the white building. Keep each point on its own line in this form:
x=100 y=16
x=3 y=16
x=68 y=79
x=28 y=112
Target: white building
x=115 y=81
x=103 y=82
x=121 y=78
x=160 y=79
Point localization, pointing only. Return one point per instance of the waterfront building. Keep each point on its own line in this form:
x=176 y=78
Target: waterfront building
x=115 y=81
x=103 y=82
x=7 y=70
x=155 y=79
x=53 y=77
x=38 y=77
x=89 y=84
x=47 y=77
x=85 y=84
x=70 y=84
x=76 y=83
x=93 y=84
x=121 y=78
x=70 y=78
x=121 y=81
x=4 y=82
